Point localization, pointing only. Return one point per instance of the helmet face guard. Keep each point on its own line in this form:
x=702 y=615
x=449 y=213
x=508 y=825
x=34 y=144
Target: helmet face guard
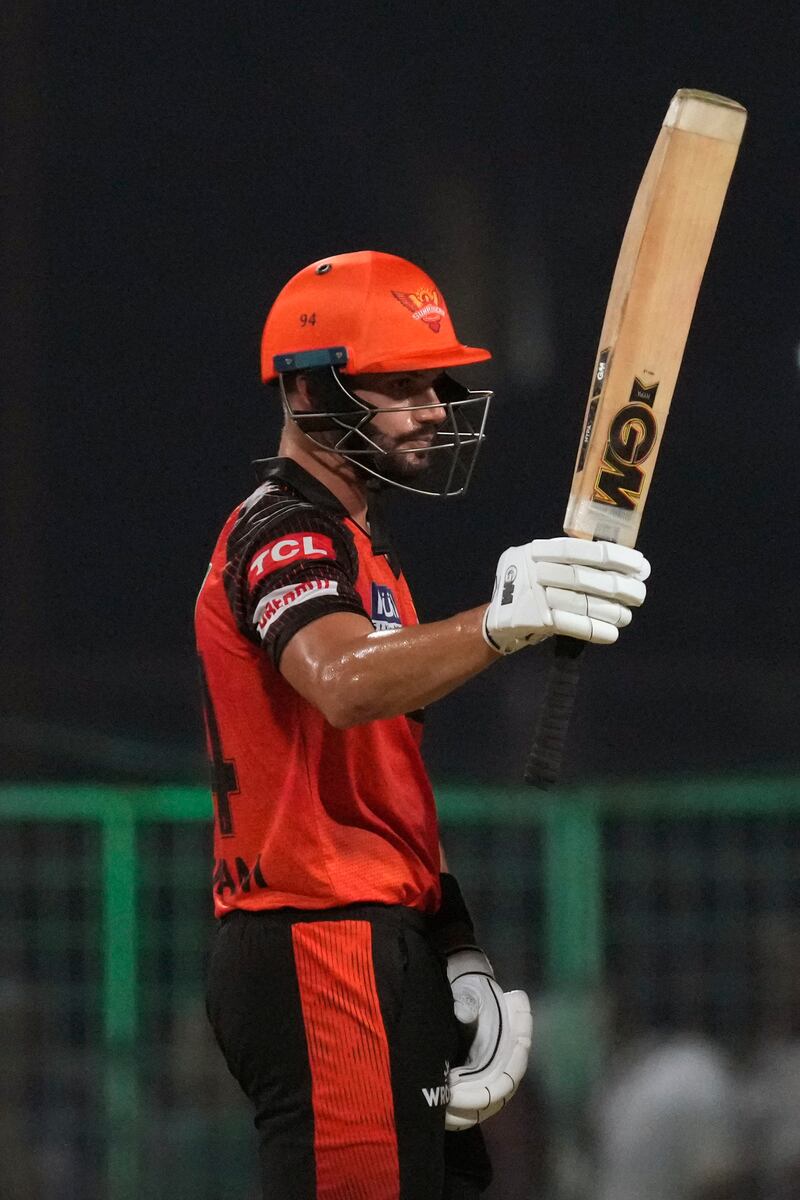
x=344 y=421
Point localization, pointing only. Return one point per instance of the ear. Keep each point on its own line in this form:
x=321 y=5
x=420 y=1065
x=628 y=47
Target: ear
x=299 y=396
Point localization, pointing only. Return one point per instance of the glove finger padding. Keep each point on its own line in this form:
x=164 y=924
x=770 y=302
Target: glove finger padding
x=498 y=1055
x=584 y=629
x=610 y=585
x=580 y=552
x=458 y=1119
x=588 y=606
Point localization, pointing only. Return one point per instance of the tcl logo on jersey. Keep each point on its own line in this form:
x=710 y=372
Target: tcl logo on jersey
x=385 y=613
x=271 y=606
x=291 y=548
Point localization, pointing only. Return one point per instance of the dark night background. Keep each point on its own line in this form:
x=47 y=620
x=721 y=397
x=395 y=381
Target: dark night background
x=167 y=167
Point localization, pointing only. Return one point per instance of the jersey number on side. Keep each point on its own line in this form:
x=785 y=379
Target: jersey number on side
x=224 y=782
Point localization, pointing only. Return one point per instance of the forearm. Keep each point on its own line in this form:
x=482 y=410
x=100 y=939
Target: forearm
x=381 y=674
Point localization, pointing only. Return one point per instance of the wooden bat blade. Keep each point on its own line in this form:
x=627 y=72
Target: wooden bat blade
x=650 y=307
x=653 y=294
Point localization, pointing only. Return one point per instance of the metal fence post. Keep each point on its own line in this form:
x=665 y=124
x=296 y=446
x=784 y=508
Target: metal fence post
x=573 y=878
x=121 y=1084
x=573 y=881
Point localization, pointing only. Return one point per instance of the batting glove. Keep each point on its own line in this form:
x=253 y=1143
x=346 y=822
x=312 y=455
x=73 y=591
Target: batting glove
x=499 y=1025
x=563 y=585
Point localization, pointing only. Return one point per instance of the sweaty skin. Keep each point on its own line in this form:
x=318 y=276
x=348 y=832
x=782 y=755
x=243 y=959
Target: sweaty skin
x=339 y=663
x=353 y=673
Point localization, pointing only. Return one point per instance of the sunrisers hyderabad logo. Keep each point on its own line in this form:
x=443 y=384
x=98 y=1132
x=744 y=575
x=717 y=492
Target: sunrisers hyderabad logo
x=423 y=305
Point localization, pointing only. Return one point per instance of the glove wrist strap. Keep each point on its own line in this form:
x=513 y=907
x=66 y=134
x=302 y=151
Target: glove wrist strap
x=487 y=637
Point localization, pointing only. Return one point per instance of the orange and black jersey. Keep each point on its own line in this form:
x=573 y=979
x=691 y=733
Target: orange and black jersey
x=306 y=816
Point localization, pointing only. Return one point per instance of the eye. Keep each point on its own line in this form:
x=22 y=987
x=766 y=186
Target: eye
x=403 y=386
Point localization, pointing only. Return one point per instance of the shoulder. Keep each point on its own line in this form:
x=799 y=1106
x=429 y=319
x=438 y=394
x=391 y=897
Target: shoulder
x=289 y=559
x=276 y=526
x=280 y=539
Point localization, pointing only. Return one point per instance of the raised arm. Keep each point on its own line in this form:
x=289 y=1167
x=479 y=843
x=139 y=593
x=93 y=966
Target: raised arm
x=353 y=673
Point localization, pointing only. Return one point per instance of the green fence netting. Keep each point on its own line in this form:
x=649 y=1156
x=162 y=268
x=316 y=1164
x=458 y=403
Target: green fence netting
x=111 y=1088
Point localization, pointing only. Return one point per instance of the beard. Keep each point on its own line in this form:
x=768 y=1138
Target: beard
x=401 y=462
x=410 y=460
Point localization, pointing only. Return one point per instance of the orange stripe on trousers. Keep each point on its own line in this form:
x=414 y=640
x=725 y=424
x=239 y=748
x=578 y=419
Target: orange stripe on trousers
x=355 y=1142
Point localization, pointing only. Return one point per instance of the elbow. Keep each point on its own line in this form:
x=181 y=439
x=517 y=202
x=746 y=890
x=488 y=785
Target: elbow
x=344 y=703
x=342 y=714
x=341 y=718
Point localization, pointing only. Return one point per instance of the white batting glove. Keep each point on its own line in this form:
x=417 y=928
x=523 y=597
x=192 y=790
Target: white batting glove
x=500 y=1024
x=563 y=585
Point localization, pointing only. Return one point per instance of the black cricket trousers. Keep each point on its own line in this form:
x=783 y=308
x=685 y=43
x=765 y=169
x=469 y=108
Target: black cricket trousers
x=339 y=1027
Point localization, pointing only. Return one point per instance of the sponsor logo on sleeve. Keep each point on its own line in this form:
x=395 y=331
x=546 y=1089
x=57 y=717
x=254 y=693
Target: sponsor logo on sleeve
x=290 y=548
x=385 y=613
x=270 y=607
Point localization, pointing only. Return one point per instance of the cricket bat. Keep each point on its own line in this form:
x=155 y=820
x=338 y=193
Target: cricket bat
x=650 y=307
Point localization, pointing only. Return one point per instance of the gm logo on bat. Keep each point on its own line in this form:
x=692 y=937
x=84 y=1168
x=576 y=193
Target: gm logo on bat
x=631 y=437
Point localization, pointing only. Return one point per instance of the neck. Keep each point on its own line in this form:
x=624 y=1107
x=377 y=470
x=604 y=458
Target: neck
x=338 y=476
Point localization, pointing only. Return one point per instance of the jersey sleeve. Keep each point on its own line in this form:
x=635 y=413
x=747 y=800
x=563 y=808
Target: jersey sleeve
x=286 y=569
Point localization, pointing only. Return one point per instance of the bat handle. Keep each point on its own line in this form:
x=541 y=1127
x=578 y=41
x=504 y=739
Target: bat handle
x=544 y=761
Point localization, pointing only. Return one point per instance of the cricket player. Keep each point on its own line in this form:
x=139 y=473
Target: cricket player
x=347 y=988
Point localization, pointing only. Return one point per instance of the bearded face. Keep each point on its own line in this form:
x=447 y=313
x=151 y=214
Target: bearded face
x=403 y=458
x=419 y=430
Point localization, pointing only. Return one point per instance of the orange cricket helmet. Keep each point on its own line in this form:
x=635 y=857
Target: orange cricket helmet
x=361 y=313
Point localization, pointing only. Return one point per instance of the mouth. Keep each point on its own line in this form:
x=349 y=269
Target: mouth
x=417 y=443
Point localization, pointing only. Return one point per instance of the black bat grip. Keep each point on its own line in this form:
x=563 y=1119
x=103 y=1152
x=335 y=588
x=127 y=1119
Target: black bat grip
x=543 y=767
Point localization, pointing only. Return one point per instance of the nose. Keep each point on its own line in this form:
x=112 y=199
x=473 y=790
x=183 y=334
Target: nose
x=434 y=411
